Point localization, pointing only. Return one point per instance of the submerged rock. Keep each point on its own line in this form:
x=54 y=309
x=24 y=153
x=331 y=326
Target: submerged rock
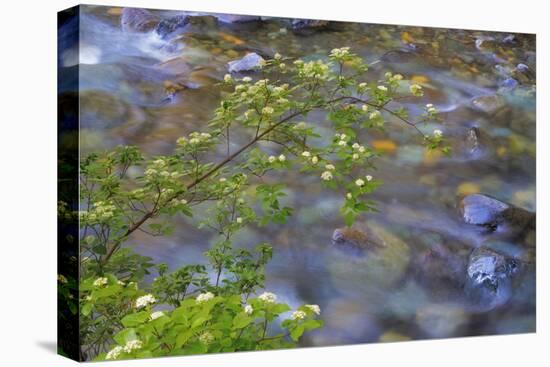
x=168 y=26
x=250 y=62
x=477 y=142
x=489 y=278
x=482 y=210
x=233 y=18
x=486 y=211
x=371 y=253
x=138 y=20
x=306 y=26
x=488 y=104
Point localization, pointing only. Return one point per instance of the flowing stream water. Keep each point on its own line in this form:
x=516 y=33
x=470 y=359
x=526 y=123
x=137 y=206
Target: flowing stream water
x=471 y=76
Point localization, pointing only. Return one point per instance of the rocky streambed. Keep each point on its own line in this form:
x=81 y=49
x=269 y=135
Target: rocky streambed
x=451 y=251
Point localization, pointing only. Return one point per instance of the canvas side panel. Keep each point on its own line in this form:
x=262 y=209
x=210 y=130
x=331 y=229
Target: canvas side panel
x=67 y=183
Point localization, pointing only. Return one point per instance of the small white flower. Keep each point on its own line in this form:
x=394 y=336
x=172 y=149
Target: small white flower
x=239 y=220
x=183 y=202
x=271 y=159
x=155 y=315
x=206 y=338
x=362 y=85
x=299 y=62
x=343 y=136
x=144 y=301
x=133 y=345
x=248 y=309
x=267 y=110
x=306 y=154
x=368 y=177
x=359 y=182
x=355 y=156
x=181 y=141
x=397 y=77
x=382 y=88
x=314 y=159
x=223 y=179
x=298 y=315
x=277 y=56
x=203 y=297
x=416 y=89
x=337 y=135
x=247 y=79
x=342 y=143
x=282 y=66
x=429 y=105
x=330 y=167
x=227 y=78
x=373 y=115
x=432 y=110
x=315 y=309
x=282 y=158
x=206 y=135
x=438 y=133
x=355 y=146
x=349 y=195
x=115 y=352
x=194 y=141
x=361 y=149
x=101 y=282
x=326 y=176
x=268 y=297
x=365 y=108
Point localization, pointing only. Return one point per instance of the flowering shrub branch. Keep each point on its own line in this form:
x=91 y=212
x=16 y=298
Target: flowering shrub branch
x=123 y=192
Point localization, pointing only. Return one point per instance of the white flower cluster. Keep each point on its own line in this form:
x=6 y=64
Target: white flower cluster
x=326 y=176
x=203 y=297
x=374 y=115
x=342 y=139
x=206 y=338
x=298 y=315
x=133 y=345
x=389 y=76
x=382 y=88
x=227 y=78
x=248 y=309
x=416 y=90
x=267 y=110
x=360 y=182
x=100 y=211
x=431 y=109
x=101 y=282
x=199 y=138
x=339 y=53
x=155 y=315
x=438 y=133
x=314 y=308
x=268 y=297
x=313 y=69
x=145 y=300
x=115 y=352
x=159 y=167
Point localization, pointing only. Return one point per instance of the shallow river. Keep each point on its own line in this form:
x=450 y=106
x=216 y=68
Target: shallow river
x=470 y=76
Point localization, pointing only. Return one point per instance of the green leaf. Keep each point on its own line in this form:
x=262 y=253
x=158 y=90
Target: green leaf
x=182 y=338
x=86 y=309
x=297 y=332
x=125 y=335
x=242 y=320
x=135 y=319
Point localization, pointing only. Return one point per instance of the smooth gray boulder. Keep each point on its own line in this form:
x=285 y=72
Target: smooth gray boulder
x=250 y=62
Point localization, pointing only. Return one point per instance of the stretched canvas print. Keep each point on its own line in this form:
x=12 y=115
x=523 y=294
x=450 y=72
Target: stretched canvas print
x=242 y=183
